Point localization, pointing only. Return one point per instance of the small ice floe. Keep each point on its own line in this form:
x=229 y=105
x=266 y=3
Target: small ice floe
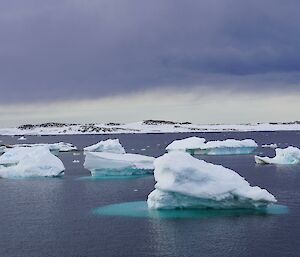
x=76 y=161
x=196 y=145
x=109 y=146
x=143 y=149
x=55 y=147
x=289 y=155
x=269 y=146
x=22 y=138
x=183 y=181
x=76 y=154
x=135 y=190
x=22 y=162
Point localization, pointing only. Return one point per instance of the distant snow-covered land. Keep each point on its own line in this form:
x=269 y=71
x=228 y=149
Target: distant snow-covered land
x=147 y=126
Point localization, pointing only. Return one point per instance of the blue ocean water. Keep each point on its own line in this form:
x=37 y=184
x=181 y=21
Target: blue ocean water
x=56 y=217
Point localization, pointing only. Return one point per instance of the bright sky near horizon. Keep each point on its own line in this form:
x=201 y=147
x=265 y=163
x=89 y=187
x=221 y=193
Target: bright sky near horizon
x=204 y=61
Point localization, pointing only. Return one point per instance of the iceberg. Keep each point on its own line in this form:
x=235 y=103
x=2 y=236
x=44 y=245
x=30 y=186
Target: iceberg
x=24 y=162
x=22 y=138
x=189 y=144
x=195 y=145
x=289 y=155
x=183 y=181
x=109 y=145
x=106 y=163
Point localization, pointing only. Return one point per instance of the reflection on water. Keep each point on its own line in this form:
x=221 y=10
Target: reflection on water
x=140 y=209
x=108 y=177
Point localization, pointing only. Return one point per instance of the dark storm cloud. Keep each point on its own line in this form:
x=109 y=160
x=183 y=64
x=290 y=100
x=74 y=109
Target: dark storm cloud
x=72 y=49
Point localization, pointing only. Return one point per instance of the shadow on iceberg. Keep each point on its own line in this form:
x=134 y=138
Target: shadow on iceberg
x=140 y=209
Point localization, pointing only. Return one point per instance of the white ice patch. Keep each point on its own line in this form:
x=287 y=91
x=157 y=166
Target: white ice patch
x=109 y=145
x=101 y=163
x=269 y=146
x=55 y=147
x=190 y=143
x=289 y=155
x=196 y=145
x=24 y=162
x=22 y=138
x=186 y=182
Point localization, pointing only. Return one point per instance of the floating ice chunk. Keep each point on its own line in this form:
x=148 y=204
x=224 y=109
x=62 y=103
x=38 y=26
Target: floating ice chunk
x=187 y=144
x=22 y=138
x=55 y=147
x=109 y=145
x=289 y=155
x=269 y=146
x=100 y=163
x=195 y=145
x=62 y=147
x=30 y=162
x=186 y=182
x=76 y=161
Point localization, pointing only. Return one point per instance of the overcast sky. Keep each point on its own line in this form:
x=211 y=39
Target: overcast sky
x=118 y=54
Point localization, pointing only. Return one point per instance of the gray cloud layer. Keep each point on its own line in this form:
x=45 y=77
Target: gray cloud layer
x=64 y=49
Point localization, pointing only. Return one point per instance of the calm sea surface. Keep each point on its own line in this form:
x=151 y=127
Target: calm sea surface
x=53 y=217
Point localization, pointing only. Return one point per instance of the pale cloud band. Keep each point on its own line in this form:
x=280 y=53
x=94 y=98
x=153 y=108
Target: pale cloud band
x=196 y=105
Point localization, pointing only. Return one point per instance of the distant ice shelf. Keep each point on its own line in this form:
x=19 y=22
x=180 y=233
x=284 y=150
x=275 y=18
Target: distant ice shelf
x=148 y=126
x=184 y=182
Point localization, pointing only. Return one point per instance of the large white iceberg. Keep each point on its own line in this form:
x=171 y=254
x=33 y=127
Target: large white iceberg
x=186 y=182
x=105 y=163
x=289 y=155
x=195 y=145
x=23 y=162
x=109 y=145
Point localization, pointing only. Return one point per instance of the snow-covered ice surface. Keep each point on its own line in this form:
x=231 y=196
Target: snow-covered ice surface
x=109 y=145
x=186 y=182
x=105 y=163
x=289 y=155
x=186 y=144
x=196 y=145
x=142 y=127
x=22 y=162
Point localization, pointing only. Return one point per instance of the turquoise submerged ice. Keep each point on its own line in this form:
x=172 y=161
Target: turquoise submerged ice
x=22 y=162
x=289 y=155
x=195 y=145
x=186 y=182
